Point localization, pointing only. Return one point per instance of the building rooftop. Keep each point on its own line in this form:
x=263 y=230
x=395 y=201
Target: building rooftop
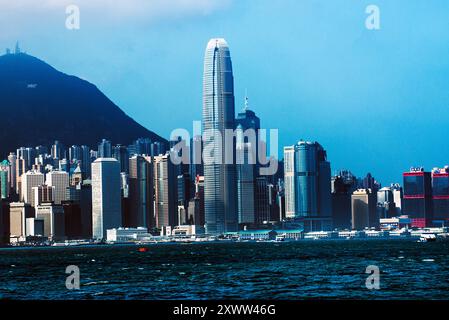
x=217 y=43
x=105 y=160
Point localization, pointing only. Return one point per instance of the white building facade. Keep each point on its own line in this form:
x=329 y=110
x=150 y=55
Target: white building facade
x=106 y=197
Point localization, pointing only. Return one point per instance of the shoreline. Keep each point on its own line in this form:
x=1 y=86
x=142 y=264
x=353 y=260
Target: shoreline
x=184 y=243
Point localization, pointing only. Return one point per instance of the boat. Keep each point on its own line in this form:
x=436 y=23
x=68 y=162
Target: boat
x=143 y=249
x=59 y=244
x=280 y=239
x=428 y=237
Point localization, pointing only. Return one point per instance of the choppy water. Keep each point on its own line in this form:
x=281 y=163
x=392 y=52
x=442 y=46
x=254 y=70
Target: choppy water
x=301 y=270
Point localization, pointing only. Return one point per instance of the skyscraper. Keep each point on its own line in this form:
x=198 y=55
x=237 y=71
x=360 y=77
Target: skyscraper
x=12 y=158
x=77 y=176
x=19 y=212
x=41 y=150
x=247 y=128
x=4 y=180
x=364 y=214
x=28 y=155
x=185 y=193
x=59 y=180
x=308 y=181
x=106 y=196
x=29 y=180
x=57 y=151
x=74 y=153
x=196 y=159
x=262 y=202
x=417 y=202
x=53 y=217
x=141 y=192
x=105 y=149
x=342 y=187
x=289 y=181
x=218 y=115
x=440 y=194
x=247 y=120
x=385 y=203
x=121 y=153
x=397 y=196
x=79 y=197
x=313 y=181
x=43 y=194
x=199 y=215
x=246 y=187
x=85 y=161
x=142 y=146
x=165 y=186
x=20 y=170
x=369 y=183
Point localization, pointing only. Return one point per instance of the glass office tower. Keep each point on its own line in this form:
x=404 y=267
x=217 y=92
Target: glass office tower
x=440 y=193
x=312 y=180
x=218 y=115
x=418 y=196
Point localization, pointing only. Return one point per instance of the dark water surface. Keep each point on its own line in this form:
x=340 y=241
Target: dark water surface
x=299 y=270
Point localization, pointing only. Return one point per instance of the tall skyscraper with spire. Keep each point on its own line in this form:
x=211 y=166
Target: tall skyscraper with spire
x=247 y=166
x=218 y=115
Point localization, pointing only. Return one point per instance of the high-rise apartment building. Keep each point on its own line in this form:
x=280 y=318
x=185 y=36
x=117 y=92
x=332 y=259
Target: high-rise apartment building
x=75 y=154
x=121 y=153
x=105 y=149
x=58 y=151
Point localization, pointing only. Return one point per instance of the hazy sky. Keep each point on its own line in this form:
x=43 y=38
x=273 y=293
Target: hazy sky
x=377 y=100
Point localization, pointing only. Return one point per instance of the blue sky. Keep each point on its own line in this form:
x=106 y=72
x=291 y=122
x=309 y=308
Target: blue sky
x=376 y=100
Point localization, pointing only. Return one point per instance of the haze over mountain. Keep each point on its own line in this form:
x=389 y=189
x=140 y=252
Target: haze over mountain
x=39 y=104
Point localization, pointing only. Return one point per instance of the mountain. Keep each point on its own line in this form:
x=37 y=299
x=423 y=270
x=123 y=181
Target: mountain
x=39 y=105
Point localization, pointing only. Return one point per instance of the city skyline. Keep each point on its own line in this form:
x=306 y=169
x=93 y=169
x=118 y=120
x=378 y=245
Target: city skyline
x=307 y=171
x=222 y=158
x=358 y=70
